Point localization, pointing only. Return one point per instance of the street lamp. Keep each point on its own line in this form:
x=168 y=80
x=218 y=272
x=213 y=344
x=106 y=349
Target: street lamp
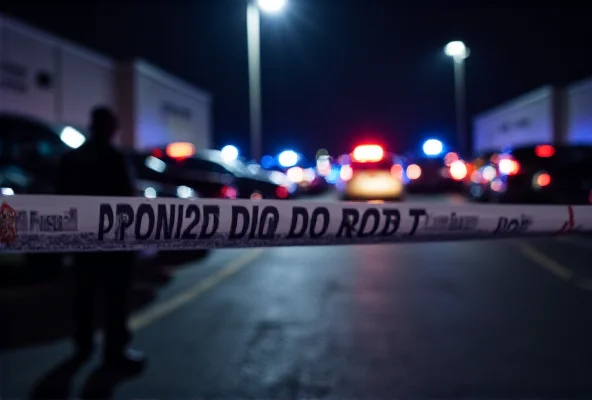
x=459 y=52
x=254 y=50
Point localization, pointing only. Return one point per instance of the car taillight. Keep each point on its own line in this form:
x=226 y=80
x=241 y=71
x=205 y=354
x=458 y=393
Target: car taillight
x=458 y=170
x=508 y=166
x=541 y=179
x=228 y=192
x=281 y=192
x=544 y=150
x=397 y=171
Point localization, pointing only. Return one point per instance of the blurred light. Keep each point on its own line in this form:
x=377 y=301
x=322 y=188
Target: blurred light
x=229 y=153
x=346 y=173
x=288 y=158
x=368 y=153
x=544 y=151
x=185 y=192
x=508 y=166
x=228 y=192
x=458 y=170
x=413 y=171
x=496 y=185
x=397 y=171
x=333 y=175
x=449 y=158
x=295 y=174
x=282 y=192
x=432 y=147
x=155 y=164
x=456 y=50
x=72 y=137
x=254 y=168
x=271 y=6
x=475 y=176
x=322 y=153
x=344 y=159
x=267 y=162
x=309 y=175
x=180 y=150
x=256 y=196
x=489 y=173
x=150 y=192
x=541 y=180
x=277 y=177
x=6 y=191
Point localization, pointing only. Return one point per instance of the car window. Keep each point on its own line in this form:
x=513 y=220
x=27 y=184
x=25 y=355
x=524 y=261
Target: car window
x=35 y=140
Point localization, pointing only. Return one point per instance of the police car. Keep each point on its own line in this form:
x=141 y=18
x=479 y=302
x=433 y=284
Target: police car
x=371 y=174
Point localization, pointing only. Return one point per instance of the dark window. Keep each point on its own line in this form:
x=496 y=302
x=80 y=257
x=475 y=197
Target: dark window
x=44 y=80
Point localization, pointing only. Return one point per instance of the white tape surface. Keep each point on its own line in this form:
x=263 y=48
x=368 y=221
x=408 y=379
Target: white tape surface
x=76 y=223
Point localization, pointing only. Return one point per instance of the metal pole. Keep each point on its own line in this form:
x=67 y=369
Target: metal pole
x=253 y=46
x=459 y=86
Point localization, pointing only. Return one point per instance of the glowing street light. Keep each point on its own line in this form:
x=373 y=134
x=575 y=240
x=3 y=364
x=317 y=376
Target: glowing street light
x=254 y=53
x=459 y=52
x=271 y=6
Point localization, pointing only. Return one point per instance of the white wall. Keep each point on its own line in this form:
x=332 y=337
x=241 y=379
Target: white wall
x=80 y=79
x=23 y=56
x=579 y=114
x=169 y=110
x=525 y=120
x=86 y=83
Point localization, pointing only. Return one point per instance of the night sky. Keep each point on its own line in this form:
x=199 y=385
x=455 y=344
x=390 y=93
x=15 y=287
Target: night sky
x=336 y=72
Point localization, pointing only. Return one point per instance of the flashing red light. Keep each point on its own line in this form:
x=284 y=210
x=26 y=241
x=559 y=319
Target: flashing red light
x=228 y=192
x=509 y=166
x=157 y=153
x=282 y=192
x=180 y=150
x=543 y=179
x=368 y=153
x=544 y=151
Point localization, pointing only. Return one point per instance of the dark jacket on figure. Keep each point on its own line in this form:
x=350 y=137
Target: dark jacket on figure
x=96 y=168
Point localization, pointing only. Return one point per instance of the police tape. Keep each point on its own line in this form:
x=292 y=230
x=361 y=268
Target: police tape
x=33 y=223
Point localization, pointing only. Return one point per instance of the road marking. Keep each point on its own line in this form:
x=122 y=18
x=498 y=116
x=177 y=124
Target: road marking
x=160 y=310
x=545 y=262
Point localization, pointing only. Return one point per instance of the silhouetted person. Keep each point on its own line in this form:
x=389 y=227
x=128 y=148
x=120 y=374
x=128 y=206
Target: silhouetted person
x=97 y=168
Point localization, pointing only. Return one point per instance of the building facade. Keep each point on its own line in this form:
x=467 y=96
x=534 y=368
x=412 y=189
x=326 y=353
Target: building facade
x=549 y=114
x=46 y=77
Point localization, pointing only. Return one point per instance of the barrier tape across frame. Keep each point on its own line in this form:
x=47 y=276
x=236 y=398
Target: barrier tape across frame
x=35 y=223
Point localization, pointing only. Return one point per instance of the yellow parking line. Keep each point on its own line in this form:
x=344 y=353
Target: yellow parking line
x=160 y=310
x=545 y=262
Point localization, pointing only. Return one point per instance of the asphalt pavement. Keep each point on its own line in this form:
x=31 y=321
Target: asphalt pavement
x=479 y=319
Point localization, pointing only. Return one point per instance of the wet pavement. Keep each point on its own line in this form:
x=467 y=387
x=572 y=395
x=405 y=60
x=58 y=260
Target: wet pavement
x=503 y=319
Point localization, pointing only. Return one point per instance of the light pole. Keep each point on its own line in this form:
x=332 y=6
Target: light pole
x=254 y=50
x=459 y=52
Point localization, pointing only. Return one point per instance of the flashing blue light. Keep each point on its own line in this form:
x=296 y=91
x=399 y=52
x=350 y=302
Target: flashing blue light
x=229 y=153
x=288 y=158
x=433 y=147
x=267 y=162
